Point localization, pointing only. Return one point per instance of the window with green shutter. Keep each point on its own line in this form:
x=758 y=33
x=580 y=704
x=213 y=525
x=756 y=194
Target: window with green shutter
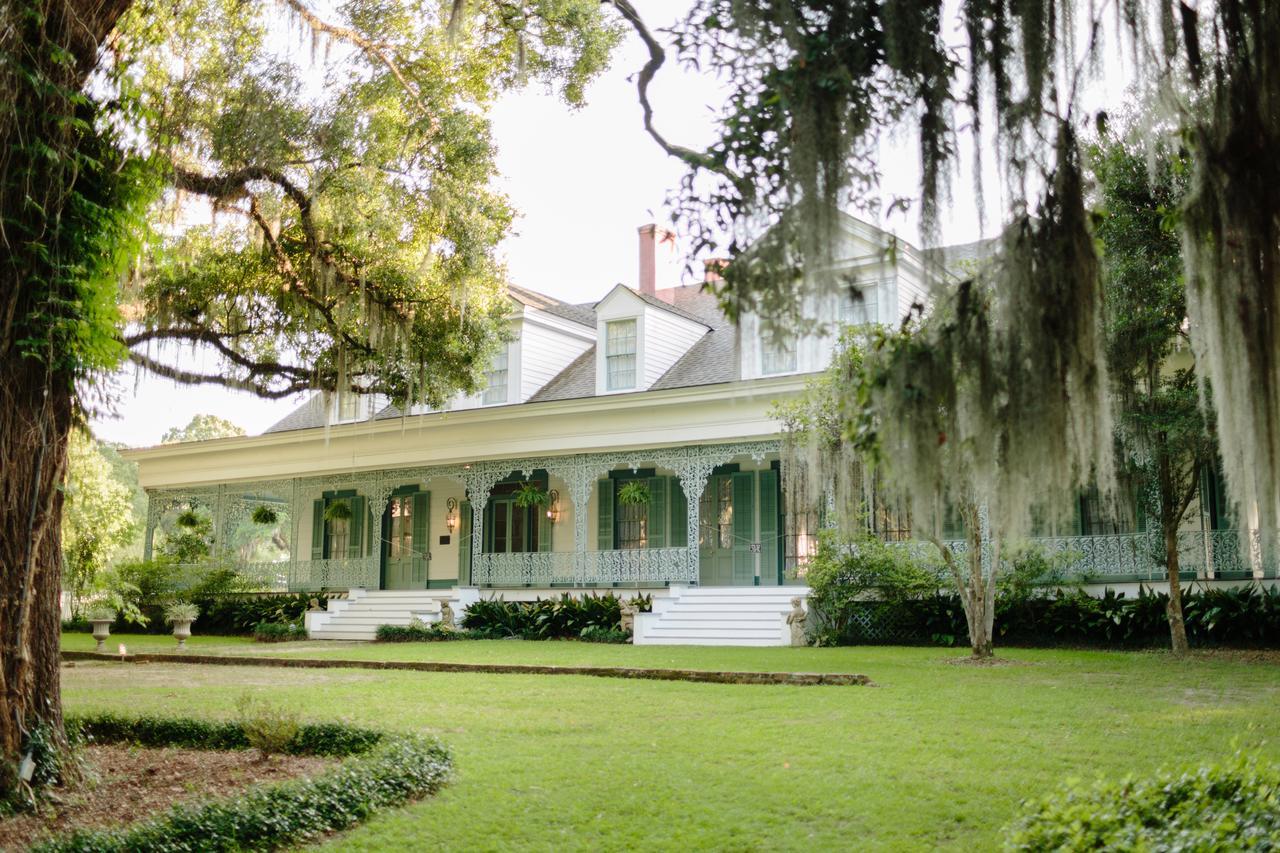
x=604 y=515
x=770 y=554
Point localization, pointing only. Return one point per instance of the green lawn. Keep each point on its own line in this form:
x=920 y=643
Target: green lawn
x=936 y=756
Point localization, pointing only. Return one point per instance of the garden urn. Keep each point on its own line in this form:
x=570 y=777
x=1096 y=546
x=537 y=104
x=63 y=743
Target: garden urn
x=101 y=630
x=182 y=630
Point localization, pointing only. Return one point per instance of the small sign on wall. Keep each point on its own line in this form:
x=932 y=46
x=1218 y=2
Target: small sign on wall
x=444 y=540
x=755 y=548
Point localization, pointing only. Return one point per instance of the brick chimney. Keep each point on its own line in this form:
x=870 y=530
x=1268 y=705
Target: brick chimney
x=657 y=259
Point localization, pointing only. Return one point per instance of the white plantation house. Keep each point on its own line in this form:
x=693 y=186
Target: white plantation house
x=642 y=425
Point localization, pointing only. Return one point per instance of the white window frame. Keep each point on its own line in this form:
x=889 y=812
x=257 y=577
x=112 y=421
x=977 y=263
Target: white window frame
x=621 y=349
x=347 y=398
x=777 y=355
x=500 y=367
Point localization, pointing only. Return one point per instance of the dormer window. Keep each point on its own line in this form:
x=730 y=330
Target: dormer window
x=620 y=354
x=348 y=406
x=777 y=355
x=496 y=378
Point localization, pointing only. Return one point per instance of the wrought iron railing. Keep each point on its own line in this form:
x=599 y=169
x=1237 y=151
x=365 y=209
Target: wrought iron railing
x=1137 y=556
x=640 y=566
x=347 y=573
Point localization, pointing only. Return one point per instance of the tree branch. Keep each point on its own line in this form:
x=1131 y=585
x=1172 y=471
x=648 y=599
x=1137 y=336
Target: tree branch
x=657 y=56
x=216 y=340
x=190 y=378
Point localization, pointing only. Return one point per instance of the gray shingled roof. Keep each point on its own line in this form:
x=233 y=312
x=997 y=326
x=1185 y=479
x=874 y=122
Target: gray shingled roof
x=583 y=314
x=663 y=304
x=576 y=380
x=307 y=416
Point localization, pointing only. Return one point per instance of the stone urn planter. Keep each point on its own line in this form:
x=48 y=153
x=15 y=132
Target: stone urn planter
x=180 y=616
x=101 y=630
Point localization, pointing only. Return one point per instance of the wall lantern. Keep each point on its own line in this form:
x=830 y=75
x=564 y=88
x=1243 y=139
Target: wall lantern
x=553 y=506
x=451 y=514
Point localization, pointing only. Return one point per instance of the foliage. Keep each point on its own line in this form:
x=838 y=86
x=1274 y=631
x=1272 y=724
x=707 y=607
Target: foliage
x=202 y=428
x=263 y=514
x=181 y=611
x=1230 y=806
x=355 y=241
x=278 y=632
x=420 y=632
x=191 y=538
x=634 y=492
x=547 y=618
x=99 y=613
x=339 y=510
x=233 y=615
x=1164 y=435
x=97 y=516
x=597 y=634
x=268 y=728
x=328 y=739
x=529 y=494
x=386 y=772
x=1246 y=617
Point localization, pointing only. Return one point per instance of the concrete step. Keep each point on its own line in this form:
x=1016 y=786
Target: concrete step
x=674 y=640
x=322 y=634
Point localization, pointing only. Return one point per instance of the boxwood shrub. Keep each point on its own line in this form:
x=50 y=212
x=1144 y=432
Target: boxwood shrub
x=385 y=771
x=278 y=632
x=421 y=633
x=1235 y=806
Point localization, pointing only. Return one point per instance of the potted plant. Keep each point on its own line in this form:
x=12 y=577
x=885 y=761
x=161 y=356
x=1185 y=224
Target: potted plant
x=180 y=615
x=529 y=494
x=101 y=616
x=263 y=514
x=339 y=510
x=188 y=519
x=634 y=492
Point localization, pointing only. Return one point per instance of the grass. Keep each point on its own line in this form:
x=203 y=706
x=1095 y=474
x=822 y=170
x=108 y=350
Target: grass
x=936 y=756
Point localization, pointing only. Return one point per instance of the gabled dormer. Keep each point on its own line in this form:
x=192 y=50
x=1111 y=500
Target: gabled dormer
x=639 y=337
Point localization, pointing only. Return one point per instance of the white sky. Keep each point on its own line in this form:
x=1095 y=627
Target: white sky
x=583 y=182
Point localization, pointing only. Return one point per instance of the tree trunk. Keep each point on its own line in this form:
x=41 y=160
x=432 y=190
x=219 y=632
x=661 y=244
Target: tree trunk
x=33 y=453
x=1177 y=627
x=39 y=310
x=977 y=592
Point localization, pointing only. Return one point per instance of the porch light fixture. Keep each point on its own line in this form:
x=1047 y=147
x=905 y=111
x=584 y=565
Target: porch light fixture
x=553 y=506
x=451 y=514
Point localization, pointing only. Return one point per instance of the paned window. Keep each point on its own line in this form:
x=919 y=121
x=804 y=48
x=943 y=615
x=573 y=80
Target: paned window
x=777 y=355
x=633 y=525
x=620 y=354
x=348 y=406
x=496 y=376
x=339 y=532
x=715 y=528
x=401 y=538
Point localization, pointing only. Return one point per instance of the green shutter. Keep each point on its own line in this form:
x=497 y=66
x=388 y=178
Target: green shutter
x=604 y=515
x=744 y=528
x=464 y=543
x=658 y=512
x=317 y=530
x=769 y=566
x=1077 y=518
x=421 y=532
x=359 y=514
x=678 y=535
x=544 y=529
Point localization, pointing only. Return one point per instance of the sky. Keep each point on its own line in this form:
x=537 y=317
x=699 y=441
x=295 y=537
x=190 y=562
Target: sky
x=583 y=182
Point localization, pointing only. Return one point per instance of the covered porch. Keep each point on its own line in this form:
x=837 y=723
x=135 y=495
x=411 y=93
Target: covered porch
x=606 y=519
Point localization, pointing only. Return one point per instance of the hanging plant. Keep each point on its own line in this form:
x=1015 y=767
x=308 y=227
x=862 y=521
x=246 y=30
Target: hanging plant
x=529 y=494
x=338 y=511
x=634 y=492
x=188 y=519
x=263 y=514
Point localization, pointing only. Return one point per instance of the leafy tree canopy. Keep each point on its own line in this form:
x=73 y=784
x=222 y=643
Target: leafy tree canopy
x=97 y=515
x=330 y=184
x=202 y=428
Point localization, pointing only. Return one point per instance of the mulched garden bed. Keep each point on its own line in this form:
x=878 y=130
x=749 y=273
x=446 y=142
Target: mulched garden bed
x=129 y=783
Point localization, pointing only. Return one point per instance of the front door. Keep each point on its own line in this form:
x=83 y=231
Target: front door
x=404 y=549
x=715 y=532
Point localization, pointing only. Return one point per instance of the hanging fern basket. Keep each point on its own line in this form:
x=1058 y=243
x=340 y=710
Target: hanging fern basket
x=635 y=492
x=529 y=494
x=188 y=519
x=263 y=514
x=338 y=511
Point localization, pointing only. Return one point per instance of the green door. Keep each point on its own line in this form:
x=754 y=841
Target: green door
x=715 y=532
x=405 y=553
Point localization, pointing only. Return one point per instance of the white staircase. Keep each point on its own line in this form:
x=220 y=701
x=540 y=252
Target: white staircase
x=358 y=616
x=719 y=616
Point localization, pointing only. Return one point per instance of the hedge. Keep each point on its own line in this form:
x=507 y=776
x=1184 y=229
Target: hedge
x=386 y=772
x=1244 y=617
x=223 y=615
x=1231 y=807
x=422 y=633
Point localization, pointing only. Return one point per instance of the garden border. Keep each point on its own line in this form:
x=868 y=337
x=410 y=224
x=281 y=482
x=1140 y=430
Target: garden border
x=383 y=771
x=799 y=679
